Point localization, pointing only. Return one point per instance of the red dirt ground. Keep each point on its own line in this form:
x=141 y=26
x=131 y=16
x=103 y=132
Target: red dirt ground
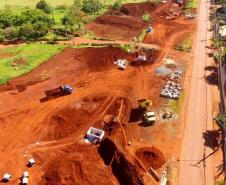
x=60 y=123
x=127 y=23
x=150 y=156
x=52 y=132
x=123 y=24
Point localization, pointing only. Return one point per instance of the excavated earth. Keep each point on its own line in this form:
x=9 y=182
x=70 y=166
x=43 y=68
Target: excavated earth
x=126 y=23
x=52 y=132
x=123 y=24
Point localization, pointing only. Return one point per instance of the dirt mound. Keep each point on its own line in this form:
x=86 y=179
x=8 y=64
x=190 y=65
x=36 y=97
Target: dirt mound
x=121 y=21
x=121 y=25
x=66 y=121
x=137 y=9
x=151 y=156
x=101 y=59
x=71 y=167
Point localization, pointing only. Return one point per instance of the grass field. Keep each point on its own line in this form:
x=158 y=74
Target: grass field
x=54 y=3
x=22 y=59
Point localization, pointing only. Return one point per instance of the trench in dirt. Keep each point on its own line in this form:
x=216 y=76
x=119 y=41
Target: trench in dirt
x=125 y=172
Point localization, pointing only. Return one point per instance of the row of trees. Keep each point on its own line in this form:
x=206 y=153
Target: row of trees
x=33 y=24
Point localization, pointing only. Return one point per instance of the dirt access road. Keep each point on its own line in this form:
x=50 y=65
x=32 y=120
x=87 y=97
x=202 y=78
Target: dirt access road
x=196 y=164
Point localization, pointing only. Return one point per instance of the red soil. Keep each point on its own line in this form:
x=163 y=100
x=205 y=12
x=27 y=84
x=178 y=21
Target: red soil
x=127 y=23
x=137 y=9
x=123 y=24
x=52 y=132
x=99 y=90
x=150 y=156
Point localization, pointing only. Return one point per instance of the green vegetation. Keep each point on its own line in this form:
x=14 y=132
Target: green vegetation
x=51 y=19
x=43 y=5
x=54 y=3
x=24 y=58
x=117 y=5
x=142 y=35
x=192 y=4
x=91 y=6
x=221 y=119
x=185 y=45
x=220 y=182
x=146 y=17
x=176 y=105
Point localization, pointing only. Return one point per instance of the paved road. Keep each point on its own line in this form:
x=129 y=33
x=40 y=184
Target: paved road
x=195 y=167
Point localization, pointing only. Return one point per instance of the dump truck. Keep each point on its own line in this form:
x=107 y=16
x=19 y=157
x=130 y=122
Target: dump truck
x=57 y=92
x=62 y=90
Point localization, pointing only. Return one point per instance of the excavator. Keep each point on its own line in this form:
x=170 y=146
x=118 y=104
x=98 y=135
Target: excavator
x=145 y=108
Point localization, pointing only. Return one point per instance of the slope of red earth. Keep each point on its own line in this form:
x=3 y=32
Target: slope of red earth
x=53 y=131
x=47 y=130
x=123 y=24
x=126 y=23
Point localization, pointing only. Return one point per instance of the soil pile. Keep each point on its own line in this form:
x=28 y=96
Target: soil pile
x=103 y=59
x=124 y=24
x=69 y=119
x=121 y=21
x=71 y=167
x=151 y=156
x=137 y=9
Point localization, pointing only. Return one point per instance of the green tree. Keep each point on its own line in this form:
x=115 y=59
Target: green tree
x=2 y=36
x=74 y=18
x=43 y=5
x=67 y=21
x=6 y=19
x=117 y=5
x=27 y=31
x=220 y=182
x=91 y=6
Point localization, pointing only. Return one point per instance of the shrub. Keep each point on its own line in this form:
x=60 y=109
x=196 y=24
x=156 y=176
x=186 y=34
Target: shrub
x=2 y=36
x=91 y=6
x=117 y=5
x=220 y=182
x=43 y=5
x=146 y=17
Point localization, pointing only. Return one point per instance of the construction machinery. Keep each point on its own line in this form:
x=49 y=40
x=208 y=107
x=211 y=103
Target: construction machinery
x=6 y=177
x=57 y=92
x=122 y=63
x=149 y=117
x=145 y=104
x=149 y=30
x=145 y=108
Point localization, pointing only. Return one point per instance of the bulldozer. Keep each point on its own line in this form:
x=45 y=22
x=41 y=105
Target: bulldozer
x=145 y=108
